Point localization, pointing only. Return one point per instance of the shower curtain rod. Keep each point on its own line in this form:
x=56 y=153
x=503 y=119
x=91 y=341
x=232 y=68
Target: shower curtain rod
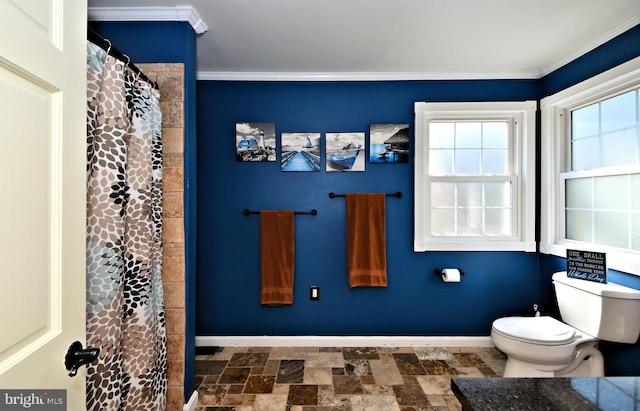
x=106 y=45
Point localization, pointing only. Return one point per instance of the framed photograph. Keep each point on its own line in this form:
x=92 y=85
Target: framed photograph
x=300 y=152
x=345 y=152
x=389 y=143
x=255 y=141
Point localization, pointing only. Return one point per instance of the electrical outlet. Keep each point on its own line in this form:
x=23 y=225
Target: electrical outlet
x=314 y=294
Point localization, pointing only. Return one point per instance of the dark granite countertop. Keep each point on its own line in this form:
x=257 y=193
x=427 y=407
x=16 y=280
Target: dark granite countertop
x=561 y=394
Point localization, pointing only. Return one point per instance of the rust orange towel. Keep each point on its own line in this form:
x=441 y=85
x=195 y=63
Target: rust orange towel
x=366 y=240
x=276 y=257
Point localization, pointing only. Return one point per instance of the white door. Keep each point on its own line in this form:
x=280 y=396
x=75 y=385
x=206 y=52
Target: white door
x=42 y=193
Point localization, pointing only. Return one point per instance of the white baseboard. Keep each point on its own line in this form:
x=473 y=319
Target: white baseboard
x=341 y=341
x=193 y=402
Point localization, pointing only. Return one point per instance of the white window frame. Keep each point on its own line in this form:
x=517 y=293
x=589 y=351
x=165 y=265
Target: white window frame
x=555 y=163
x=522 y=114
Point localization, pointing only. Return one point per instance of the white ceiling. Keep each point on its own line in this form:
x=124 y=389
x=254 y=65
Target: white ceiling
x=394 y=39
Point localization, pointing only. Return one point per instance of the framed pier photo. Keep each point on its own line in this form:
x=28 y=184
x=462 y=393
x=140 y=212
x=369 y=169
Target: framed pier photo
x=300 y=152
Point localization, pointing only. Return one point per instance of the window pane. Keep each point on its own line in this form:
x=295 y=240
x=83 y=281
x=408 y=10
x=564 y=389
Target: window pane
x=585 y=154
x=606 y=133
x=605 y=214
x=467 y=162
x=495 y=134
x=497 y=194
x=494 y=162
x=443 y=194
x=441 y=135
x=498 y=222
x=469 y=194
x=618 y=112
x=611 y=228
x=479 y=148
x=585 y=122
x=620 y=147
x=441 y=162
x=475 y=209
x=468 y=135
x=612 y=193
x=469 y=221
x=635 y=192
x=635 y=232
x=579 y=226
x=443 y=221
x=579 y=193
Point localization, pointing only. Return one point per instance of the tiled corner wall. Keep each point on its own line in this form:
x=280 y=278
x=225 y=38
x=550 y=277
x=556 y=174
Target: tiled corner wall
x=170 y=79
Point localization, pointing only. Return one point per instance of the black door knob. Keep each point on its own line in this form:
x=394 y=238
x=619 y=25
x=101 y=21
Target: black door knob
x=77 y=357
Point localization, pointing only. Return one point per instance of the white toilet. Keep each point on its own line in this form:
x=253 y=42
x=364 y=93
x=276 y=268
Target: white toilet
x=545 y=347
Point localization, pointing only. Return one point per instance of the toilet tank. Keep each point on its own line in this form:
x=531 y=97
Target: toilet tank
x=609 y=312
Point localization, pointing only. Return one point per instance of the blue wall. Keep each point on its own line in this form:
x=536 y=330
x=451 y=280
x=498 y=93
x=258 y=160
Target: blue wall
x=613 y=53
x=416 y=301
x=172 y=42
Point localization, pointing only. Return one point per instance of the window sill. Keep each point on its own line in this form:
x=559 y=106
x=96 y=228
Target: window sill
x=626 y=262
x=480 y=245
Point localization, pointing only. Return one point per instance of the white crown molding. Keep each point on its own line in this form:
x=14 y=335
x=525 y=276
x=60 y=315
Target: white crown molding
x=610 y=35
x=341 y=341
x=359 y=76
x=178 y=13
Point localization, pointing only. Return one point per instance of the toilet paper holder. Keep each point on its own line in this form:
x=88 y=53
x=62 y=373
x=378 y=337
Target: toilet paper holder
x=439 y=271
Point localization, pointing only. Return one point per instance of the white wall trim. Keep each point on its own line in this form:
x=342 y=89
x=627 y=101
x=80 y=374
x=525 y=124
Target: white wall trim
x=192 y=404
x=341 y=341
x=360 y=76
x=177 y=13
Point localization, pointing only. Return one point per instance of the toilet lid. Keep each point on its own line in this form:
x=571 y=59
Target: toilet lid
x=542 y=330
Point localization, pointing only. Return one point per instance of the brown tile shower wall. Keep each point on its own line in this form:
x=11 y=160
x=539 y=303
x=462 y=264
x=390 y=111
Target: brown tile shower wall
x=170 y=79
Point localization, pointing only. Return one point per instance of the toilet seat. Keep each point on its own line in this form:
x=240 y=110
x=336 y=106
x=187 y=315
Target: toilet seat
x=542 y=330
x=538 y=340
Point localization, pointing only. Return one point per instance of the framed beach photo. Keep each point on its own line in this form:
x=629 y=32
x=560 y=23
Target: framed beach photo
x=300 y=151
x=345 y=152
x=389 y=143
x=255 y=142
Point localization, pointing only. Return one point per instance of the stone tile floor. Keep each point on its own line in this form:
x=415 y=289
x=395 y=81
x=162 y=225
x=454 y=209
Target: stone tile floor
x=345 y=379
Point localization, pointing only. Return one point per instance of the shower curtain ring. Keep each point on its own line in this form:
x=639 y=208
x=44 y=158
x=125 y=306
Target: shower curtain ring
x=128 y=60
x=109 y=43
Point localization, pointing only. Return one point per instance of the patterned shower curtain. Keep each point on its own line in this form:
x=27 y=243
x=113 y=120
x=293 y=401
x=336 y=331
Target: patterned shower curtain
x=125 y=302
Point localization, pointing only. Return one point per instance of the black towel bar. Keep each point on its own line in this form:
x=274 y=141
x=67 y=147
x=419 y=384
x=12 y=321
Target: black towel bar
x=397 y=195
x=246 y=211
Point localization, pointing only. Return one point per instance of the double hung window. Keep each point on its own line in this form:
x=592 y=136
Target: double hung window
x=474 y=176
x=591 y=134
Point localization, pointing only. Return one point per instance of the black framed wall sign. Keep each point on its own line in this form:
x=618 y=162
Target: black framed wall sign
x=587 y=265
